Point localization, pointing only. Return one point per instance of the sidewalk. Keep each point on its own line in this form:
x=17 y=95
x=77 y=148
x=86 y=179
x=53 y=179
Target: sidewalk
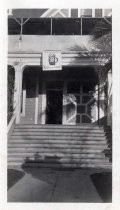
x=47 y=185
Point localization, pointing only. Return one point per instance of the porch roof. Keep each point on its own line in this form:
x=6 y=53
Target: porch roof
x=76 y=50
x=37 y=44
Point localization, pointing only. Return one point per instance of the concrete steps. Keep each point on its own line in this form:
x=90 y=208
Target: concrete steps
x=58 y=146
x=29 y=111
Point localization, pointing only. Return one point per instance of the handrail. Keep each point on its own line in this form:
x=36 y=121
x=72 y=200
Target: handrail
x=11 y=124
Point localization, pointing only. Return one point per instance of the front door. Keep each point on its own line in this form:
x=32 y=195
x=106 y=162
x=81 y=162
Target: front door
x=54 y=106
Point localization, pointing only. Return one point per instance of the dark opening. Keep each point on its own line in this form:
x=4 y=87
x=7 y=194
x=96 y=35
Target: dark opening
x=54 y=107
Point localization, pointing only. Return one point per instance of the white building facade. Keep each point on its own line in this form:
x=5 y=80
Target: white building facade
x=58 y=68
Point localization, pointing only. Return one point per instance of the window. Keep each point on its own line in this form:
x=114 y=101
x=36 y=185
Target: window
x=87 y=12
x=98 y=12
x=107 y=12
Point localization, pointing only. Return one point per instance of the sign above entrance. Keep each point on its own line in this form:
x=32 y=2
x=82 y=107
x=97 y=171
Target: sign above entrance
x=51 y=60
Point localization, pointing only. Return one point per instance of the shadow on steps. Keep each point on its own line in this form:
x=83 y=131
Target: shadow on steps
x=37 y=159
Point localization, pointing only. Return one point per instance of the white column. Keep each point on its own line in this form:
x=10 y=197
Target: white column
x=43 y=103
x=93 y=12
x=64 y=105
x=103 y=12
x=109 y=99
x=23 y=100
x=81 y=92
x=79 y=12
x=69 y=12
x=36 y=100
x=96 y=104
x=17 y=92
x=23 y=103
x=101 y=100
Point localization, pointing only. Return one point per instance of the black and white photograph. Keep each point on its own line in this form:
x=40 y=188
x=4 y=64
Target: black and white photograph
x=59 y=110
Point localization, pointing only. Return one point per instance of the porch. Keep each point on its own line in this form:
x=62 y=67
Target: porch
x=81 y=62
x=63 y=97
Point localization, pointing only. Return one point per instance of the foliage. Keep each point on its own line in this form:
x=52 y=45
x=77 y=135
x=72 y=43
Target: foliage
x=10 y=92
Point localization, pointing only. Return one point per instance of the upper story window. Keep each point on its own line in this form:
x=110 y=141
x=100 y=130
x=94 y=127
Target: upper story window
x=98 y=12
x=57 y=21
x=86 y=12
x=107 y=12
x=59 y=13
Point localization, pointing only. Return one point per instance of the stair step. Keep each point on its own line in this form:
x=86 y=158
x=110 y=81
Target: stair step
x=57 y=160
x=75 y=142
x=61 y=126
x=60 y=137
x=70 y=146
x=32 y=121
x=67 y=165
x=61 y=155
x=47 y=130
x=28 y=111
x=83 y=138
x=57 y=133
x=30 y=104
x=77 y=151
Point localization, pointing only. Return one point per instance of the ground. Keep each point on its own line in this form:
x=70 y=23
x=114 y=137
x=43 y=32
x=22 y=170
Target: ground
x=54 y=185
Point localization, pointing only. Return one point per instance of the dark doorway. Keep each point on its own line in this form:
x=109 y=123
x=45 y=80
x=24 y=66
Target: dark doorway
x=54 y=107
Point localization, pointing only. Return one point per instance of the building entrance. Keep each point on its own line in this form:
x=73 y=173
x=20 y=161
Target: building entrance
x=60 y=97
x=54 y=102
x=54 y=106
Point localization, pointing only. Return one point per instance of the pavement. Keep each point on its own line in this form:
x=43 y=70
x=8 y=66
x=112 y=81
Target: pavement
x=50 y=185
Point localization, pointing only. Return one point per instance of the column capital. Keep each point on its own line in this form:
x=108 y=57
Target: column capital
x=17 y=63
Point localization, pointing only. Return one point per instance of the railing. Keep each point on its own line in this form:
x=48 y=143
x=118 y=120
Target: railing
x=11 y=125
